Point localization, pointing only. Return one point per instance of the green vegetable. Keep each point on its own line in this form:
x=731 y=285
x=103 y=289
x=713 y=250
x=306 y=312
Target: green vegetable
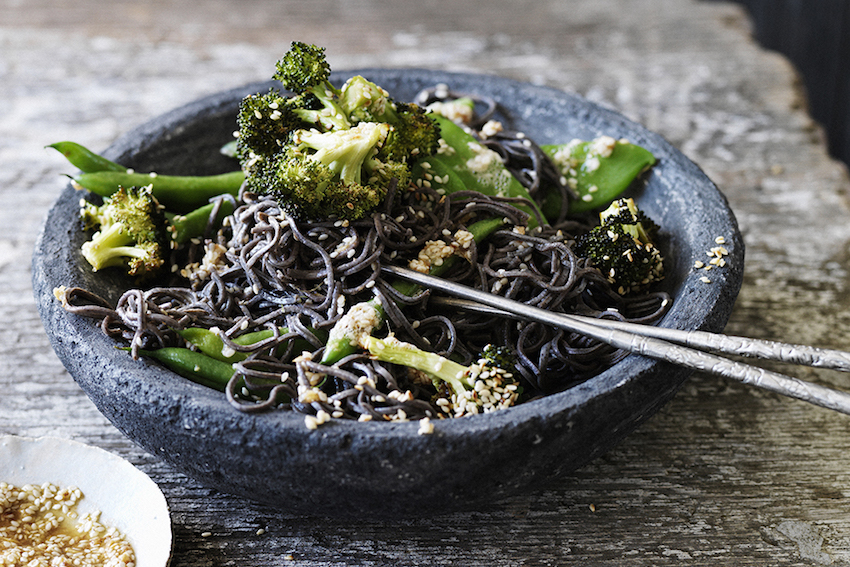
x=598 y=170
x=413 y=134
x=348 y=334
x=193 y=365
x=326 y=151
x=211 y=344
x=304 y=70
x=482 y=387
x=193 y=225
x=463 y=163
x=177 y=193
x=85 y=159
x=324 y=174
x=265 y=122
x=622 y=247
x=130 y=232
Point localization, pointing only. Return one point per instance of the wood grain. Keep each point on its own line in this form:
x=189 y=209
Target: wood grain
x=722 y=475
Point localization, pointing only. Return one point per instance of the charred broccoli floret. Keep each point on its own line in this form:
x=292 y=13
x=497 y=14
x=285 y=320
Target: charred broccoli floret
x=326 y=151
x=414 y=134
x=304 y=71
x=266 y=122
x=622 y=247
x=322 y=174
x=130 y=232
x=482 y=387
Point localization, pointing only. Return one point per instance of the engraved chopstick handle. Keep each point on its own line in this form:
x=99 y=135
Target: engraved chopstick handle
x=738 y=371
x=743 y=346
x=772 y=350
x=675 y=346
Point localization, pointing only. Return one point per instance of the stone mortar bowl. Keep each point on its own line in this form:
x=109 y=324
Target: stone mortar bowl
x=388 y=469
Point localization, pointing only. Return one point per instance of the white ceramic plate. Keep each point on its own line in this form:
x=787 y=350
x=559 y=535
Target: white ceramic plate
x=126 y=497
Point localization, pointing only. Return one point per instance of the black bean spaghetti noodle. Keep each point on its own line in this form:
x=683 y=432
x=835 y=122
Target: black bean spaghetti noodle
x=264 y=270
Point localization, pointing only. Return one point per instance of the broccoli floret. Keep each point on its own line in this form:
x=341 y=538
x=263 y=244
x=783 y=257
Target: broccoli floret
x=499 y=356
x=481 y=387
x=130 y=232
x=622 y=247
x=414 y=134
x=320 y=174
x=324 y=151
x=364 y=101
x=304 y=71
x=266 y=122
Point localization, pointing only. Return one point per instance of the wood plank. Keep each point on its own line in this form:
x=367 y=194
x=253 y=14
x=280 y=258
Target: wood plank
x=722 y=475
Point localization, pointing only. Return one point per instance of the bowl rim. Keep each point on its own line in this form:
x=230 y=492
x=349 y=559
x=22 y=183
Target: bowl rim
x=77 y=337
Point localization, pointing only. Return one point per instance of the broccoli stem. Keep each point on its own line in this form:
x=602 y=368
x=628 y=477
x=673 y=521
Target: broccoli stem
x=111 y=247
x=481 y=387
x=345 y=339
x=396 y=352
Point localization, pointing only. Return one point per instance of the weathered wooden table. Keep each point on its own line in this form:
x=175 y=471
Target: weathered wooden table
x=723 y=475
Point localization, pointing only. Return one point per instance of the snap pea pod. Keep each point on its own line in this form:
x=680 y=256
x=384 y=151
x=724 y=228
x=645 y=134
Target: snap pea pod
x=177 y=193
x=599 y=171
x=84 y=159
x=211 y=344
x=343 y=337
x=193 y=365
x=467 y=165
x=193 y=224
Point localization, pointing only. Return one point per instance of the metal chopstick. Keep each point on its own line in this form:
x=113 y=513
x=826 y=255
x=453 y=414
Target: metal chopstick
x=671 y=345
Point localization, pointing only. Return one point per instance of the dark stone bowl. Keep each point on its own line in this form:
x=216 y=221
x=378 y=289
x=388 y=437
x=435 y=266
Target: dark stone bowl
x=387 y=469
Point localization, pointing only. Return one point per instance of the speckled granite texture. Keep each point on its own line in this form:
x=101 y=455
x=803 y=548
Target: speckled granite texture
x=389 y=469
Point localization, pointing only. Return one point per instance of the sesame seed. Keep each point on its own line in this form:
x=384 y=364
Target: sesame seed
x=30 y=530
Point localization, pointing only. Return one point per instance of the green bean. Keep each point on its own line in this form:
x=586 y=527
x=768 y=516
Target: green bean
x=453 y=169
x=598 y=179
x=177 y=193
x=193 y=365
x=193 y=224
x=341 y=343
x=85 y=159
x=211 y=344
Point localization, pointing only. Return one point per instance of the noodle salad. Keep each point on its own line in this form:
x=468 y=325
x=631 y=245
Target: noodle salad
x=275 y=295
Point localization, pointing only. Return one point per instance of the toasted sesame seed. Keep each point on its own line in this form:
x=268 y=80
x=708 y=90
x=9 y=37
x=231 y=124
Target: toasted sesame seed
x=425 y=426
x=31 y=531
